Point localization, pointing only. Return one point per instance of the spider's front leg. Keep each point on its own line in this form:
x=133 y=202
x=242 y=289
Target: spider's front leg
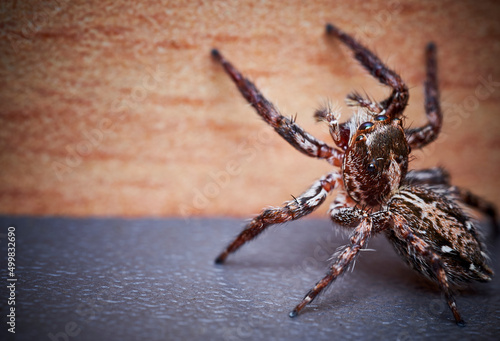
x=397 y=101
x=292 y=210
x=287 y=128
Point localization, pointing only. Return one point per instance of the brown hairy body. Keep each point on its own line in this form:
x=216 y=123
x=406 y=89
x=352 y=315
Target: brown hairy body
x=419 y=211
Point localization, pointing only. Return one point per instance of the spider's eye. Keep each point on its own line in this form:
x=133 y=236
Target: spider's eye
x=381 y=118
x=372 y=167
x=365 y=126
x=361 y=138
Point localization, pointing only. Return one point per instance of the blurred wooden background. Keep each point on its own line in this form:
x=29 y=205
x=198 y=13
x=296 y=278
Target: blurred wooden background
x=116 y=108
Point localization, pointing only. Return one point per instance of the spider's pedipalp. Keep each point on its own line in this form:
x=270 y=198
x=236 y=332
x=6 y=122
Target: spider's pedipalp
x=355 y=99
x=343 y=215
x=339 y=134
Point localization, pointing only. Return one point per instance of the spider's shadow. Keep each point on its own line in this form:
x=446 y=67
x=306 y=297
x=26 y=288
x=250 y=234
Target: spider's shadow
x=302 y=252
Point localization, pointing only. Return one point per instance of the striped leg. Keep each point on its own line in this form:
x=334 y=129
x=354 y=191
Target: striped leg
x=422 y=249
x=292 y=210
x=347 y=256
x=396 y=103
x=479 y=204
x=430 y=176
x=419 y=137
x=287 y=128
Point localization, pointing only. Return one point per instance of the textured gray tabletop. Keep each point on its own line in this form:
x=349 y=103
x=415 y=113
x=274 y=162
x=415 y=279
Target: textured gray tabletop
x=146 y=279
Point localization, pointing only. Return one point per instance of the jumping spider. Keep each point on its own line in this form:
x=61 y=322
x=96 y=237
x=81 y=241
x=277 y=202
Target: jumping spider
x=419 y=211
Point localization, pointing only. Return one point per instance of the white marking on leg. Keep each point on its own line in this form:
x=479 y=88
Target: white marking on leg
x=468 y=225
x=446 y=249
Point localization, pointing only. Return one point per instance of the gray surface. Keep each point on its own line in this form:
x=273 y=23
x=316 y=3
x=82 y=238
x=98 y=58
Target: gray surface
x=145 y=279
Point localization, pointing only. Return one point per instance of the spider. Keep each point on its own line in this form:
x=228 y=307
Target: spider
x=418 y=210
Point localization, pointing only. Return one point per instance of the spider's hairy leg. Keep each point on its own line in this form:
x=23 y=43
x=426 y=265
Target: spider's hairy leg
x=423 y=251
x=360 y=236
x=287 y=128
x=430 y=176
x=419 y=137
x=479 y=204
x=292 y=210
x=396 y=102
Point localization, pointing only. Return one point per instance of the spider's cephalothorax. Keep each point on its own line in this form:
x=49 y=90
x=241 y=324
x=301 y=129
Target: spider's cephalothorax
x=376 y=161
x=418 y=211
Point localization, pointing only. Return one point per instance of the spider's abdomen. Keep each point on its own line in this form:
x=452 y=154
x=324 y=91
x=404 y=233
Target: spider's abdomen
x=445 y=229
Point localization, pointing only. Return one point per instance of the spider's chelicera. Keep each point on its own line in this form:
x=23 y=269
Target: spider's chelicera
x=419 y=211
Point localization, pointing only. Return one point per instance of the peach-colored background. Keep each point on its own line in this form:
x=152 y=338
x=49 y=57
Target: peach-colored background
x=116 y=108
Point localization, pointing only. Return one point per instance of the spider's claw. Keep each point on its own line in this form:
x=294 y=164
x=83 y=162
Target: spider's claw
x=333 y=30
x=330 y=28
x=221 y=258
x=461 y=323
x=293 y=313
x=215 y=53
x=431 y=47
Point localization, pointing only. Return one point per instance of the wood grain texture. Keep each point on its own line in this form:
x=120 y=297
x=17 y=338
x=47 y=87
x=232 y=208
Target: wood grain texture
x=116 y=108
